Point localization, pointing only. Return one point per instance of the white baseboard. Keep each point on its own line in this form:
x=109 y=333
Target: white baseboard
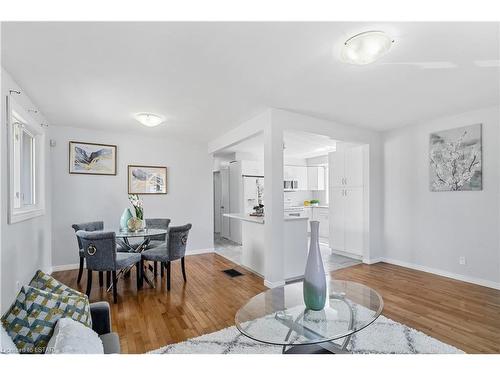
x=346 y=254
x=65 y=267
x=372 y=261
x=451 y=275
x=275 y=284
x=75 y=266
x=200 y=251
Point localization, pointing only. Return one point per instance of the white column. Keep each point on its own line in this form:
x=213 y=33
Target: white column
x=274 y=274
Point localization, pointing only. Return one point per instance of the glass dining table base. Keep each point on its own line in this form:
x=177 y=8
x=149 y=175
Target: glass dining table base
x=145 y=269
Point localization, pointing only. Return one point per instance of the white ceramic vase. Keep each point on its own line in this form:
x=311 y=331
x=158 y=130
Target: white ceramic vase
x=314 y=288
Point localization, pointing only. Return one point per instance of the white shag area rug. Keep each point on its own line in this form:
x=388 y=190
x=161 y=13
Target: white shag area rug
x=384 y=336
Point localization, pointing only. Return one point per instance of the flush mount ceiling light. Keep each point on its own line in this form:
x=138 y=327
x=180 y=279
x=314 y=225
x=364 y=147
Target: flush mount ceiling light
x=149 y=119
x=365 y=48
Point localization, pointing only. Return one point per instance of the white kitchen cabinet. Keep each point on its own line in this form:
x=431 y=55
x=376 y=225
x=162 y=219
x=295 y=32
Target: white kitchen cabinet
x=296 y=173
x=346 y=166
x=288 y=172
x=323 y=218
x=353 y=166
x=301 y=175
x=346 y=224
x=322 y=215
x=336 y=163
x=337 y=220
x=315 y=178
x=252 y=168
x=353 y=222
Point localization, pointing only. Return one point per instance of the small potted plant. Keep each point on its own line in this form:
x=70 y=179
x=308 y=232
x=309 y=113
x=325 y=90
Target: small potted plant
x=314 y=202
x=136 y=223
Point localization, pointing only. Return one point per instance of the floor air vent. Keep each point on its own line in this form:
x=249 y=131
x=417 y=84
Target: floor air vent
x=232 y=272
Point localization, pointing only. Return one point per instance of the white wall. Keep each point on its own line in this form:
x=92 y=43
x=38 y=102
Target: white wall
x=25 y=246
x=430 y=230
x=80 y=198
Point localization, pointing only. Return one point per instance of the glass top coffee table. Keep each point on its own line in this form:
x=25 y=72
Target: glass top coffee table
x=278 y=316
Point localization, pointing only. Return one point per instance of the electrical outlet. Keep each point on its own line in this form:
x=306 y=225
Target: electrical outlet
x=461 y=260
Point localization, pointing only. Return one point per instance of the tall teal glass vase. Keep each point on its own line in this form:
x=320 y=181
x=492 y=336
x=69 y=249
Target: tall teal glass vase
x=126 y=216
x=314 y=288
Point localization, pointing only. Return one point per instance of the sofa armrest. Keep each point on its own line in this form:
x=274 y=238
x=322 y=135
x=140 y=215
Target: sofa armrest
x=101 y=317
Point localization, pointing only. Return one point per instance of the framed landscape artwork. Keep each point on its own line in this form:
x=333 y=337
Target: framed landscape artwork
x=456 y=159
x=144 y=179
x=92 y=158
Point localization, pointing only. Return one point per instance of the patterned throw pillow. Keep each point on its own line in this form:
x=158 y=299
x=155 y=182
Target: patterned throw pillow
x=31 y=319
x=46 y=282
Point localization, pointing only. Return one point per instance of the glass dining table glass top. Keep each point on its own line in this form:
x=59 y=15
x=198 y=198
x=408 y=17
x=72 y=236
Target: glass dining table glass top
x=278 y=316
x=147 y=232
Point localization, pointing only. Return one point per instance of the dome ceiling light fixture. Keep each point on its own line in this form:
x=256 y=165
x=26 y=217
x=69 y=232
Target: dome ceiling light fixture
x=149 y=119
x=366 y=47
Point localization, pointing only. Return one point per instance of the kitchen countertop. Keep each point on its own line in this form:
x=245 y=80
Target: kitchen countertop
x=260 y=220
x=320 y=206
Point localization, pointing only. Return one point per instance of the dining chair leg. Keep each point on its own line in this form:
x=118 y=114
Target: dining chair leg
x=168 y=275
x=155 y=269
x=101 y=279
x=141 y=279
x=108 y=279
x=80 y=271
x=183 y=266
x=162 y=266
x=89 y=282
x=113 y=273
x=138 y=268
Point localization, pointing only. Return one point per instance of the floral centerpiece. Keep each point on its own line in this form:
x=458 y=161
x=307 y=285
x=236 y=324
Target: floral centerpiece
x=137 y=222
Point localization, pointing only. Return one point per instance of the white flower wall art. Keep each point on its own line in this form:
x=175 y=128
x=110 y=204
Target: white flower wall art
x=456 y=159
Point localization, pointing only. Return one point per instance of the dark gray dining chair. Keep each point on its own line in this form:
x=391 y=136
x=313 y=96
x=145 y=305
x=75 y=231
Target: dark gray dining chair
x=91 y=226
x=174 y=249
x=155 y=241
x=88 y=227
x=99 y=250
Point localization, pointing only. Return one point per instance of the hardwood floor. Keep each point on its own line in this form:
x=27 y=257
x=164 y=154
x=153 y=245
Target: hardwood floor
x=461 y=314
x=152 y=318
x=464 y=315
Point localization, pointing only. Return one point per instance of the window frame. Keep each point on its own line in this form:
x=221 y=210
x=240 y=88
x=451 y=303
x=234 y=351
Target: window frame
x=16 y=215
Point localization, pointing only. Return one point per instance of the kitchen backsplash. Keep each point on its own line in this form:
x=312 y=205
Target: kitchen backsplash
x=297 y=198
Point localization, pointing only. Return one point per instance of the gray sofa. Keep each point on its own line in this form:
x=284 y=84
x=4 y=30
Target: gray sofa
x=101 y=324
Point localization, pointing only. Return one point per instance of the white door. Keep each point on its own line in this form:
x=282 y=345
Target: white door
x=336 y=219
x=336 y=165
x=224 y=208
x=353 y=163
x=353 y=213
x=217 y=203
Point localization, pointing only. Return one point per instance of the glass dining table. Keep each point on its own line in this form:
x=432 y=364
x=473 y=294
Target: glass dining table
x=123 y=238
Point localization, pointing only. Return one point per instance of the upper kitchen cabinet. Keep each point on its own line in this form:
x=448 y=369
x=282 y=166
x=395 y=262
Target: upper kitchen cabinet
x=316 y=178
x=346 y=165
x=298 y=174
x=252 y=168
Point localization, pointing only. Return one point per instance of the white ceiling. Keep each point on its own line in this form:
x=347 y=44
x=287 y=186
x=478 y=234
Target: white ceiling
x=298 y=145
x=208 y=77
